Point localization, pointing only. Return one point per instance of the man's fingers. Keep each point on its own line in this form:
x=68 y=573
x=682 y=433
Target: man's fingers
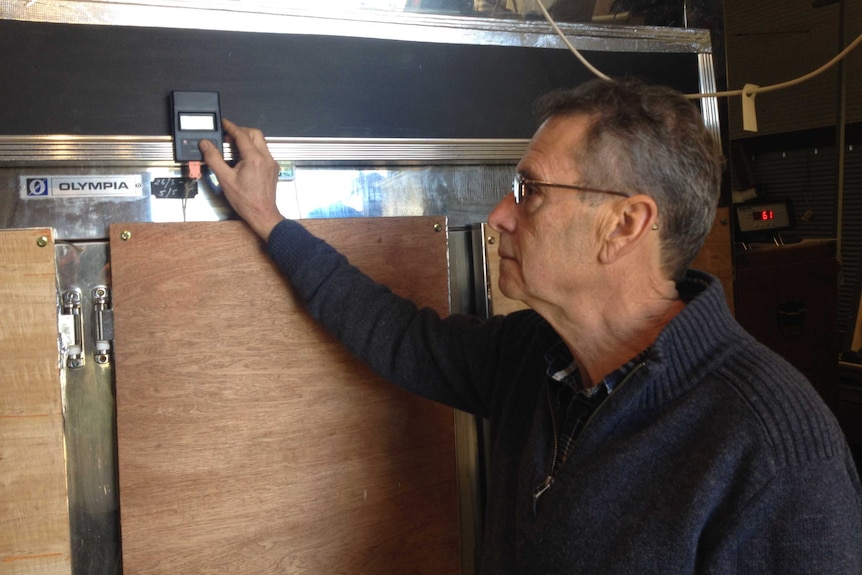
x=212 y=158
x=246 y=139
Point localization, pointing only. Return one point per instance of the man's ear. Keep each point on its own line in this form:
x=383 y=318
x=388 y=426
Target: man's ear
x=633 y=219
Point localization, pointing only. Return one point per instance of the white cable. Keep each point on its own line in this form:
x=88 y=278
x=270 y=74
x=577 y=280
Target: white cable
x=789 y=83
x=751 y=91
x=569 y=44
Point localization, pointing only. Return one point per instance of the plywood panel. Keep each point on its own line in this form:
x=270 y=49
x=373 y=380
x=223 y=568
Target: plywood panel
x=714 y=257
x=249 y=441
x=498 y=304
x=34 y=512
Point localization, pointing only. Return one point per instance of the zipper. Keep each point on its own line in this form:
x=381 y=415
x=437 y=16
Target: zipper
x=549 y=480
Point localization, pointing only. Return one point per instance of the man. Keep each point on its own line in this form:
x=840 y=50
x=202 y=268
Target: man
x=636 y=428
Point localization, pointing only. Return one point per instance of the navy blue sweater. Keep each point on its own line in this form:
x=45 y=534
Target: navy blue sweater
x=713 y=456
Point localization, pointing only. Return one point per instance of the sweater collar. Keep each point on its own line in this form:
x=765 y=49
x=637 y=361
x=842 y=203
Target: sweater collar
x=692 y=341
x=703 y=330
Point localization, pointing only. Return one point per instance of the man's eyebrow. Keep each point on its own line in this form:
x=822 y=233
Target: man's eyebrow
x=526 y=173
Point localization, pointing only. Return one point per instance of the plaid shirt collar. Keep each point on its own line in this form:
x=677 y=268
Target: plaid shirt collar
x=572 y=405
x=563 y=369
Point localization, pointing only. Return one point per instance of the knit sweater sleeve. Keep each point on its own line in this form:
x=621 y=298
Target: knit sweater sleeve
x=411 y=347
x=800 y=510
x=806 y=520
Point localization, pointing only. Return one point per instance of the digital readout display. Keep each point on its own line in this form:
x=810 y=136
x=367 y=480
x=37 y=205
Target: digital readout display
x=198 y=122
x=765 y=217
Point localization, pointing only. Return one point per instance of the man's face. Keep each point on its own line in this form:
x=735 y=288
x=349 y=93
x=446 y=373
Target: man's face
x=549 y=242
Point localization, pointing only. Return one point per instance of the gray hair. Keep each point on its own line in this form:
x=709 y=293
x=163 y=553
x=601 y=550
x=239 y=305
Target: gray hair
x=652 y=140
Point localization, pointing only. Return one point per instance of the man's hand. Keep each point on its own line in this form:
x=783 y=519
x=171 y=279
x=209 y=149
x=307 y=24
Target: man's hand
x=250 y=185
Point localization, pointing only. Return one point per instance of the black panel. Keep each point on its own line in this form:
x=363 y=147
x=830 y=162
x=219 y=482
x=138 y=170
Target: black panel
x=106 y=80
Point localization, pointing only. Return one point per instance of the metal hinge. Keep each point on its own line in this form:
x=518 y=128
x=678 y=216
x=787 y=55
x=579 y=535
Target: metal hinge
x=103 y=324
x=71 y=327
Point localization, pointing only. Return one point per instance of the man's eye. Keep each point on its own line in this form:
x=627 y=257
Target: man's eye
x=530 y=190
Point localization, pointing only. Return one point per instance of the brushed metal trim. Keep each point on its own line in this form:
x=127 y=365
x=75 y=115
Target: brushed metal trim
x=274 y=16
x=60 y=150
x=709 y=106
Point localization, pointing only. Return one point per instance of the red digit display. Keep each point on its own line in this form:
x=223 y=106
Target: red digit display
x=763 y=215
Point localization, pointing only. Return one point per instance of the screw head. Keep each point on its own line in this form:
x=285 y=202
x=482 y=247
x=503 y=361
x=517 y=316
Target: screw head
x=42 y=241
x=125 y=235
x=72 y=297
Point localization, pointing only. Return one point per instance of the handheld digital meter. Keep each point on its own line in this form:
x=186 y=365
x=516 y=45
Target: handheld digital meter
x=195 y=116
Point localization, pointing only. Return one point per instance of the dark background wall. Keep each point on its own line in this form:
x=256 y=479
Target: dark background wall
x=100 y=80
x=794 y=153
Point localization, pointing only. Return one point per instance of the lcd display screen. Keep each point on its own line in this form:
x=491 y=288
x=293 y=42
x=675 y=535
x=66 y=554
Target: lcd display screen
x=198 y=122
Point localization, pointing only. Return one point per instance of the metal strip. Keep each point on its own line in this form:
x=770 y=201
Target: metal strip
x=279 y=17
x=61 y=150
x=709 y=106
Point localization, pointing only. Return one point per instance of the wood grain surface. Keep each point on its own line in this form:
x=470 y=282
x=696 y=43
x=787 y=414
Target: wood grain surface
x=498 y=304
x=34 y=511
x=716 y=257
x=249 y=440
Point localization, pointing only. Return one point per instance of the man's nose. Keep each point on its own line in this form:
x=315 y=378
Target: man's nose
x=502 y=217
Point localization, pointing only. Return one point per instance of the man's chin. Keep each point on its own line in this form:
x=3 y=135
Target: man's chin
x=510 y=289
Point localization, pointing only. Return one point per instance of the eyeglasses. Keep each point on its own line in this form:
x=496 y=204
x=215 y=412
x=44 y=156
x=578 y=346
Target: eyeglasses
x=523 y=188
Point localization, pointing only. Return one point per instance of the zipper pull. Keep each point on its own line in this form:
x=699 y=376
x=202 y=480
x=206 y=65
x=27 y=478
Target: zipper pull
x=540 y=490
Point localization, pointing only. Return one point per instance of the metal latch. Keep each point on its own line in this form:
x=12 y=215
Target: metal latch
x=72 y=326
x=71 y=310
x=103 y=324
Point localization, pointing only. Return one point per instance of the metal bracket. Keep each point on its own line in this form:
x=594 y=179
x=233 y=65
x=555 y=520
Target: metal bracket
x=103 y=324
x=71 y=310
